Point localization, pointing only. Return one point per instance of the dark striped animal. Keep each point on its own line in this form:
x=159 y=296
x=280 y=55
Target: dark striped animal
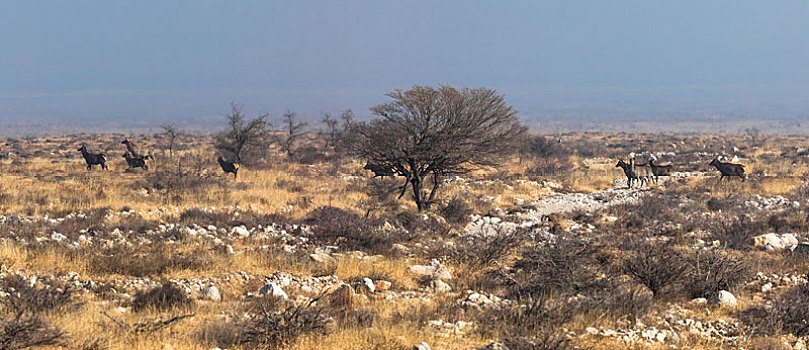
x=137 y=162
x=660 y=170
x=93 y=158
x=229 y=167
x=728 y=169
x=634 y=172
x=379 y=169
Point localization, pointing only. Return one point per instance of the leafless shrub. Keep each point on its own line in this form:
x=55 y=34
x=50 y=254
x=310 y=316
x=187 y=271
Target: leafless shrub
x=545 y=340
x=456 y=212
x=533 y=325
x=164 y=297
x=176 y=185
x=481 y=249
x=419 y=225
x=656 y=266
x=23 y=297
x=538 y=146
x=24 y=332
x=147 y=260
x=738 y=232
x=268 y=329
x=620 y=303
x=348 y=230
x=789 y=313
x=712 y=271
x=143 y=327
x=565 y=266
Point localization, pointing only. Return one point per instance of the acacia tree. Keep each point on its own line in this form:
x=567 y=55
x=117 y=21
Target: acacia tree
x=433 y=132
x=241 y=133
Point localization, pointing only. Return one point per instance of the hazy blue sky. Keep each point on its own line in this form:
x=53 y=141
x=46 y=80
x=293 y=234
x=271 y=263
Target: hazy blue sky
x=179 y=59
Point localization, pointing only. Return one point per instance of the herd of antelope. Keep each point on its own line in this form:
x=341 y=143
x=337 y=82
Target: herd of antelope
x=643 y=173
x=640 y=173
x=135 y=159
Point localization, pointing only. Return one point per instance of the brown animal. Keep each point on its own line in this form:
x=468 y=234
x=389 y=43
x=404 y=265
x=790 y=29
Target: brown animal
x=93 y=158
x=228 y=166
x=660 y=170
x=132 y=148
x=728 y=169
x=634 y=172
x=137 y=162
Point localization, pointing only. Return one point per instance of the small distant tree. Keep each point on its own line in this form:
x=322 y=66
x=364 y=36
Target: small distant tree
x=331 y=134
x=242 y=133
x=293 y=131
x=171 y=132
x=432 y=132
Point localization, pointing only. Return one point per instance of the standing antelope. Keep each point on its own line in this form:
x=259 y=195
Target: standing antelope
x=93 y=158
x=728 y=169
x=228 y=166
x=633 y=172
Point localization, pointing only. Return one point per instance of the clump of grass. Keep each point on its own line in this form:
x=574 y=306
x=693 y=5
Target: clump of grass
x=165 y=297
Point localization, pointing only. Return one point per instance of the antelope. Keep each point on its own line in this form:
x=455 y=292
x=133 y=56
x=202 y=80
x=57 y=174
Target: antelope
x=728 y=169
x=633 y=172
x=379 y=170
x=137 y=162
x=228 y=166
x=660 y=170
x=93 y=158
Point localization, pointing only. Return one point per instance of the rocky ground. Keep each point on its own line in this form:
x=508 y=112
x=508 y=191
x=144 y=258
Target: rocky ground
x=519 y=262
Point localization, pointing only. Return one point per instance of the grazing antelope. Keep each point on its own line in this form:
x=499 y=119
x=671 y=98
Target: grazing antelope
x=660 y=170
x=93 y=158
x=633 y=172
x=228 y=166
x=728 y=169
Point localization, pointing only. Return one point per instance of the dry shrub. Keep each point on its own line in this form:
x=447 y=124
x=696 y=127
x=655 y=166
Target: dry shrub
x=268 y=329
x=457 y=212
x=167 y=296
x=656 y=266
x=620 y=303
x=789 y=314
x=224 y=218
x=714 y=270
x=147 y=260
x=22 y=297
x=738 y=232
x=350 y=231
x=545 y=340
x=483 y=248
x=419 y=225
x=177 y=185
x=23 y=332
x=566 y=266
x=533 y=325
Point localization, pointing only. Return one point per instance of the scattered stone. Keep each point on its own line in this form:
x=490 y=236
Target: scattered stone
x=367 y=286
x=495 y=346
x=422 y=346
x=435 y=271
x=382 y=285
x=724 y=299
x=241 y=231
x=322 y=258
x=440 y=286
x=211 y=293
x=274 y=290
